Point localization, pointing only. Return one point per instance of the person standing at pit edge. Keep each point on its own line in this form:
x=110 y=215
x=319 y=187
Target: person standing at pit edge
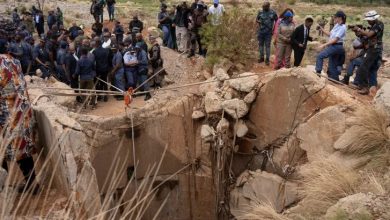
x=299 y=39
x=266 y=20
x=374 y=52
x=333 y=49
x=16 y=120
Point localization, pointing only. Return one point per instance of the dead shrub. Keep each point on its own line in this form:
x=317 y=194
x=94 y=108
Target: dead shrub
x=261 y=211
x=325 y=181
x=234 y=38
x=371 y=138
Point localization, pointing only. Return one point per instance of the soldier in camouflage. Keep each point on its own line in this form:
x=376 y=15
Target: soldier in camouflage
x=266 y=19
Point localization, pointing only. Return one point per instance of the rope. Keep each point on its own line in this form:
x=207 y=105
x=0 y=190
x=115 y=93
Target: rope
x=150 y=78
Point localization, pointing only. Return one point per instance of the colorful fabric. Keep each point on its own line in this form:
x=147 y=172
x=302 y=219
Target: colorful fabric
x=16 y=116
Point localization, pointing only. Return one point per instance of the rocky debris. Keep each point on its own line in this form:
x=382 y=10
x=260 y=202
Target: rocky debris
x=37 y=84
x=207 y=133
x=319 y=133
x=198 y=115
x=262 y=187
x=224 y=64
x=213 y=103
x=241 y=128
x=235 y=107
x=206 y=74
x=382 y=98
x=221 y=74
x=250 y=97
x=223 y=125
x=245 y=84
x=360 y=206
x=210 y=85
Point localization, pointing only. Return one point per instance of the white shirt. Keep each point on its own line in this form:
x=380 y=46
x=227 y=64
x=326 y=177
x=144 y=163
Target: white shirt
x=216 y=13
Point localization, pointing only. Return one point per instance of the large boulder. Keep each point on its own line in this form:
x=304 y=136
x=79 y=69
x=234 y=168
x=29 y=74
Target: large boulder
x=236 y=108
x=246 y=82
x=207 y=132
x=221 y=74
x=320 y=132
x=288 y=98
x=241 y=128
x=360 y=206
x=213 y=103
x=382 y=98
x=262 y=187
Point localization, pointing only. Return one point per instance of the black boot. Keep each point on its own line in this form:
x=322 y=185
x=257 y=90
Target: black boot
x=346 y=80
x=147 y=96
x=191 y=54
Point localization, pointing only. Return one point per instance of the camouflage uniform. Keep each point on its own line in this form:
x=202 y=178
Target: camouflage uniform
x=266 y=20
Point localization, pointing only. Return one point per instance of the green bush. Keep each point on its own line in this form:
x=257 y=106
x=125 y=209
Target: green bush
x=234 y=39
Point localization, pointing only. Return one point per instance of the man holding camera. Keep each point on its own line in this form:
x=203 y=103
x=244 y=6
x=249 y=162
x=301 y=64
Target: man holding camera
x=374 y=52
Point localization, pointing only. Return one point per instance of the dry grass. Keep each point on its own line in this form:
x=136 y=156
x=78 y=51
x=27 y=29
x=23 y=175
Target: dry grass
x=371 y=138
x=325 y=181
x=263 y=211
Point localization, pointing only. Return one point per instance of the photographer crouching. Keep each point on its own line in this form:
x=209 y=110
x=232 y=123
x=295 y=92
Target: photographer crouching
x=374 y=52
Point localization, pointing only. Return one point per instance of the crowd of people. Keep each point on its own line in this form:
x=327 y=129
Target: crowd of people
x=126 y=60
x=181 y=25
x=289 y=37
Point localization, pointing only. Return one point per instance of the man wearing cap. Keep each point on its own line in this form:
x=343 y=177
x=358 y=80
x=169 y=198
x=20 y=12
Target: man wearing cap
x=156 y=62
x=165 y=22
x=333 y=49
x=216 y=11
x=197 y=19
x=16 y=120
x=299 y=39
x=130 y=61
x=266 y=20
x=374 y=52
x=118 y=72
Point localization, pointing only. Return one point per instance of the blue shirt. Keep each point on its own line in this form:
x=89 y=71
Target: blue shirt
x=142 y=60
x=85 y=68
x=60 y=59
x=116 y=60
x=338 y=31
